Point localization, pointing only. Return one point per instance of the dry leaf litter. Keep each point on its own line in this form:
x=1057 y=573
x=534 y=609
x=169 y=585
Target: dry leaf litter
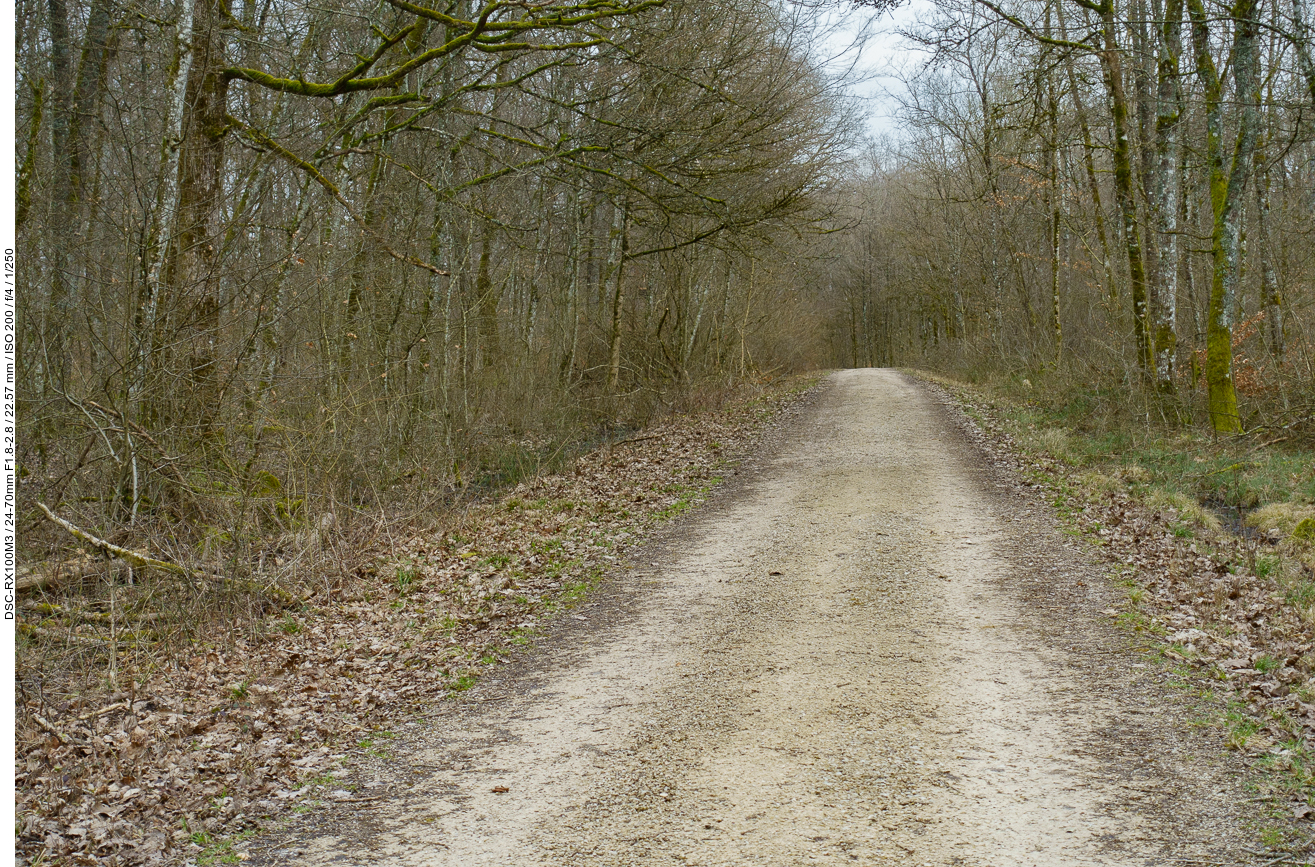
x=234 y=737
x=230 y=737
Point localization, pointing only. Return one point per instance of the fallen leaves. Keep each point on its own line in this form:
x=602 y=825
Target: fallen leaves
x=201 y=744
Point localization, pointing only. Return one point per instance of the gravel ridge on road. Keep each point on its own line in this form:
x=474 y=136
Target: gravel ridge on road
x=874 y=646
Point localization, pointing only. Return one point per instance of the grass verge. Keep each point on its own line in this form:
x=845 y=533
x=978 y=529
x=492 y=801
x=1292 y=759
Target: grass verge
x=1208 y=543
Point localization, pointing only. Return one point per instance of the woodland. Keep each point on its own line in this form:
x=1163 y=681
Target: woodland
x=301 y=285
x=284 y=262
x=298 y=283
x=1117 y=195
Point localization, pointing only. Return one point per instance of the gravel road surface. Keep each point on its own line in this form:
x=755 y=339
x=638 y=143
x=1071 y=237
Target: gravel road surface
x=872 y=647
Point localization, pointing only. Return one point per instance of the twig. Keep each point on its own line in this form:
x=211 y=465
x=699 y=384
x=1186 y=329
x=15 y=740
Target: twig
x=109 y=708
x=634 y=440
x=168 y=464
x=45 y=724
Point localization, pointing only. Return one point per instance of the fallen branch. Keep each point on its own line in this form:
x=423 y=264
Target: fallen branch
x=611 y=446
x=138 y=560
x=73 y=638
x=44 y=575
x=121 y=705
x=109 y=549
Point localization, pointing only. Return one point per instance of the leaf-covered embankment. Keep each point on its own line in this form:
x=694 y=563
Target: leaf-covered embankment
x=199 y=744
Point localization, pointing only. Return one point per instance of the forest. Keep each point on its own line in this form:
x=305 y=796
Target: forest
x=365 y=334
x=284 y=261
x=1120 y=195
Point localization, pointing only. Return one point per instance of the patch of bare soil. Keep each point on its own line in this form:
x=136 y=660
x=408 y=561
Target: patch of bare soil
x=189 y=752
x=873 y=648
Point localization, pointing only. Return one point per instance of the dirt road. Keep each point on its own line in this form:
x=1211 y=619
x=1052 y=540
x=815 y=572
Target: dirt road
x=872 y=649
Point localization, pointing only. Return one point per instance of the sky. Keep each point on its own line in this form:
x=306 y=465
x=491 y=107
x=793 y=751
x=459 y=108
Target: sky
x=883 y=51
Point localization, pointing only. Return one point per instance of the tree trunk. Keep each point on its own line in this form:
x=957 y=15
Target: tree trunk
x=27 y=170
x=61 y=217
x=1052 y=177
x=1098 y=210
x=618 y=296
x=147 y=318
x=87 y=91
x=1271 y=294
x=1227 y=195
x=1125 y=193
x=194 y=269
x=1301 y=41
x=486 y=299
x=1164 y=195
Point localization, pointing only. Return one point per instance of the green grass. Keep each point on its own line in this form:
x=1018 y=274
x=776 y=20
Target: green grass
x=1266 y=565
x=522 y=636
x=687 y=498
x=405 y=577
x=446 y=627
x=1273 y=837
x=545 y=546
x=1090 y=428
x=324 y=779
x=1240 y=728
x=219 y=851
x=369 y=744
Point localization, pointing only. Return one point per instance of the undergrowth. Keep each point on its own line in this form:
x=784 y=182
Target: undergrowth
x=1259 y=487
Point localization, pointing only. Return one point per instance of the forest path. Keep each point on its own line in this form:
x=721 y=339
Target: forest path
x=875 y=649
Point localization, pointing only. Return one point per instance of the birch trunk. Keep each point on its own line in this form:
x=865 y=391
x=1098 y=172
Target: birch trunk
x=1164 y=195
x=166 y=203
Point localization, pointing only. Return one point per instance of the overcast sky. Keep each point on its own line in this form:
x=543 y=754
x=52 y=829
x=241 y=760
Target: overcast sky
x=883 y=52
